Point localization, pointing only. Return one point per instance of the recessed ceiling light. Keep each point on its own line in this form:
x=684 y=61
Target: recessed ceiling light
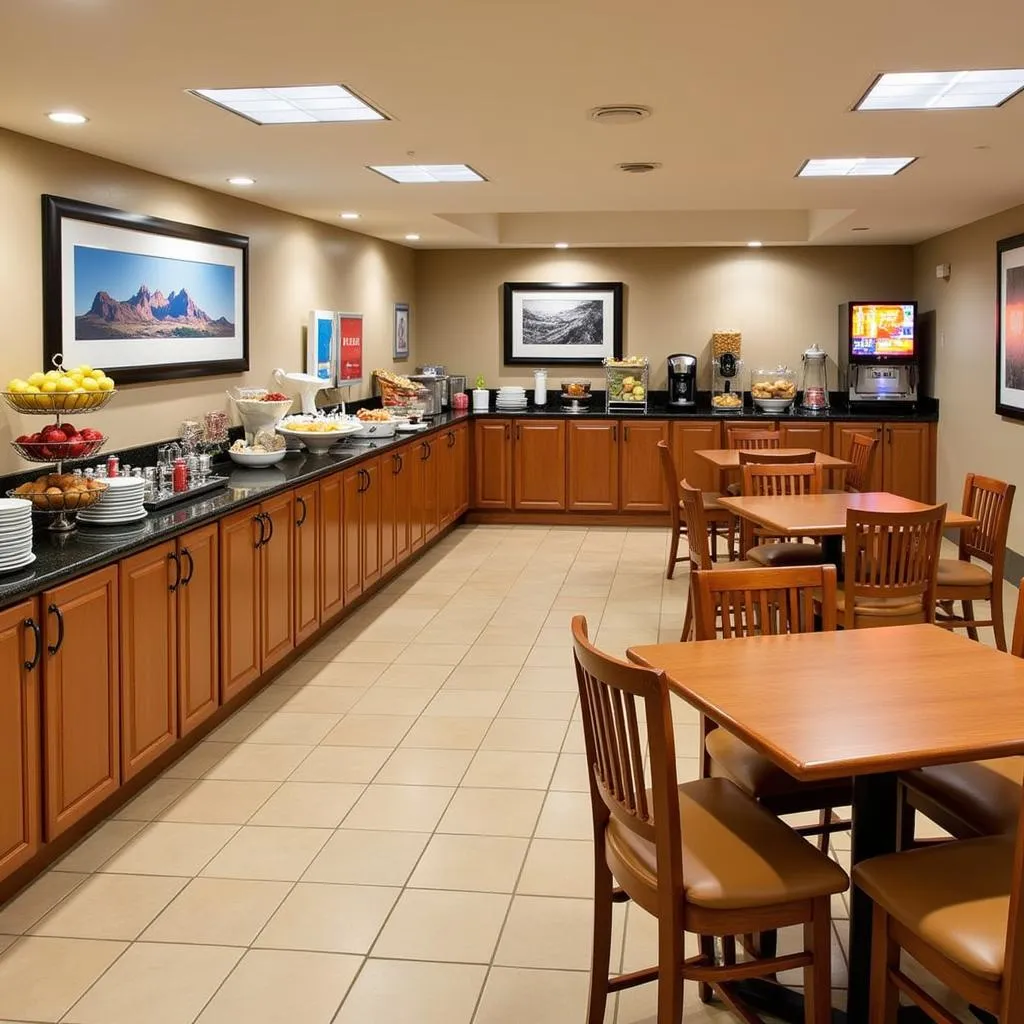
x=855 y=167
x=561 y=245
x=427 y=174
x=942 y=90
x=754 y=245
x=293 y=104
x=620 y=113
x=412 y=238
x=242 y=182
x=67 y=117
x=349 y=215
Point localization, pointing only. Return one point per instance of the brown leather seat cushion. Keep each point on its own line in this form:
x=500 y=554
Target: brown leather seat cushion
x=735 y=854
x=786 y=553
x=752 y=772
x=951 y=572
x=881 y=607
x=955 y=896
x=985 y=794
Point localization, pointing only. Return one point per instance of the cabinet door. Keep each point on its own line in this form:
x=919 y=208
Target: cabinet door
x=642 y=480
x=815 y=436
x=594 y=466
x=80 y=698
x=332 y=548
x=842 y=437
x=388 y=513
x=461 y=469
x=277 y=583
x=417 y=468
x=402 y=470
x=431 y=520
x=239 y=601
x=352 y=534
x=908 y=461
x=446 y=495
x=148 y=584
x=20 y=768
x=371 y=513
x=307 y=561
x=198 y=628
x=538 y=460
x=690 y=437
x=492 y=464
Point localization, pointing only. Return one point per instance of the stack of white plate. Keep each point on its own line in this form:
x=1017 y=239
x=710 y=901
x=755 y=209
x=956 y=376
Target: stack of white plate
x=15 y=534
x=121 y=502
x=510 y=399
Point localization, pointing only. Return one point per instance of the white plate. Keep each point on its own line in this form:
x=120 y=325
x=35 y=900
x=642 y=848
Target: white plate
x=14 y=568
x=96 y=520
x=15 y=505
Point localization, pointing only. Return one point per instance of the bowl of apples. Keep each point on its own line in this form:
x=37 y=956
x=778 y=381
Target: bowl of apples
x=59 y=442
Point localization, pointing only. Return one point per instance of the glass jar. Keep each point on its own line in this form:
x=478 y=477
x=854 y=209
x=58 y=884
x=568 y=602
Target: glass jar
x=773 y=390
x=815 y=389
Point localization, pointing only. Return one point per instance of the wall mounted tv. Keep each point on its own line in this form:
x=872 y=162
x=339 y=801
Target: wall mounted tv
x=882 y=331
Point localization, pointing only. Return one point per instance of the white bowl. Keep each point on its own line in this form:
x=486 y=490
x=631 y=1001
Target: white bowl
x=377 y=428
x=773 y=404
x=255 y=460
x=318 y=442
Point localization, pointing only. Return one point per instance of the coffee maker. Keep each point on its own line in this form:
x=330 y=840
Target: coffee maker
x=879 y=354
x=682 y=380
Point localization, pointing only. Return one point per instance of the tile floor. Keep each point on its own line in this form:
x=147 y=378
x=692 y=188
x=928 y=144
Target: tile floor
x=396 y=830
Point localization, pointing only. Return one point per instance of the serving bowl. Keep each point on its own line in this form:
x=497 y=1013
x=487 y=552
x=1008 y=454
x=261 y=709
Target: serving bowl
x=319 y=441
x=772 y=404
x=257 y=460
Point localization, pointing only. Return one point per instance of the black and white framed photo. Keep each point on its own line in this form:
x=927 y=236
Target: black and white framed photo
x=401 y=346
x=1010 y=339
x=562 y=323
x=146 y=299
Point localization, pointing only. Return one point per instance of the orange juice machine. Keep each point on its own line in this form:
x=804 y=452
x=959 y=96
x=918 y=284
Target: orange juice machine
x=879 y=353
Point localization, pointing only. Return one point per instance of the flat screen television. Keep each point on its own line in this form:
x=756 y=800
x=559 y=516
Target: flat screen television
x=882 y=331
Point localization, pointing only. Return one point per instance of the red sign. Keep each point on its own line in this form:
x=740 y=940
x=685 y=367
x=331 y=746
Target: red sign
x=350 y=362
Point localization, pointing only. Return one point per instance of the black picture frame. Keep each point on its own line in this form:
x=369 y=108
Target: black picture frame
x=1009 y=258
x=57 y=211
x=518 y=350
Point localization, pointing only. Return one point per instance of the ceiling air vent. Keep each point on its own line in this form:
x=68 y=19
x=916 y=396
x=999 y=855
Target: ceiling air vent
x=620 y=113
x=642 y=167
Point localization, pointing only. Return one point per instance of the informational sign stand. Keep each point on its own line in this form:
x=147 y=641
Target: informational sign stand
x=322 y=346
x=350 y=349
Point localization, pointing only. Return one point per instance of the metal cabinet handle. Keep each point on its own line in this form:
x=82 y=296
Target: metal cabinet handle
x=625 y=433
x=426 y=451
x=508 y=433
x=615 y=433
x=172 y=557
x=258 y=518
x=888 y=435
x=270 y=526
x=305 y=511
x=396 y=464
x=451 y=438
x=54 y=610
x=186 y=554
x=37 y=635
x=519 y=432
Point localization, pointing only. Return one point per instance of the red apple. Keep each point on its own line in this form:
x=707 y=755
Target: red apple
x=26 y=439
x=68 y=429
x=91 y=434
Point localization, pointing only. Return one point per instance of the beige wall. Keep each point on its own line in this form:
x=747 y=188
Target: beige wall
x=782 y=299
x=295 y=265
x=972 y=438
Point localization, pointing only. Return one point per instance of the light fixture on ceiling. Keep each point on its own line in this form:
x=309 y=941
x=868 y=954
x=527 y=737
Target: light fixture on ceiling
x=638 y=167
x=412 y=238
x=561 y=245
x=293 y=104
x=242 y=182
x=754 y=245
x=860 y=229
x=854 y=167
x=67 y=117
x=349 y=215
x=942 y=90
x=620 y=113
x=427 y=174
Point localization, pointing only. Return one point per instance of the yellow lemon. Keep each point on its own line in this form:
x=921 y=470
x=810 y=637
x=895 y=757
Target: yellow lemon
x=83 y=369
x=48 y=386
x=19 y=387
x=31 y=389
x=37 y=378
x=66 y=384
x=54 y=374
x=90 y=384
x=106 y=384
x=96 y=374
x=76 y=377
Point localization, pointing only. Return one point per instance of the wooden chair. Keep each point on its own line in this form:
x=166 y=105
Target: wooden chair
x=890 y=564
x=714 y=515
x=980 y=798
x=862 y=457
x=958 y=910
x=702 y=857
x=699 y=549
x=767 y=601
x=742 y=440
x=961 y=579
x=772 y=480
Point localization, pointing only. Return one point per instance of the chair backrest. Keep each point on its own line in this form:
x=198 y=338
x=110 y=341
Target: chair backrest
x=1017 y=641
x=774 y=481
x=739 y=438
x=696 y=527
x=610 y=691
x=767 y=457
x=892 y=556
x=989 y=501
x=763 y=601
x=862 y=457
x=668 y=472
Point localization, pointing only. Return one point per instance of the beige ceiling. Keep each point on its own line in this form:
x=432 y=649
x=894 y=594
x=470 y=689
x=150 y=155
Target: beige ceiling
x=742 y=93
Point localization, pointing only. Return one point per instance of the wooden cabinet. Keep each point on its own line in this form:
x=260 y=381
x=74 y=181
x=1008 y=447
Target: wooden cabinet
x=593 y=466
x=402 y=469
x=198 y=628
x=21 y=651
x=431 y=511
x=307 y=561
x=389 y=514
x=641 y=478
x=332 y=548
x=690 y=437
x=81 y=740
x=461 y=468
x=361 y=528
x=813 y=435
x=538 y=461
x=909 y=460
x=148 y=586
x=240 y=537
x=492 y=464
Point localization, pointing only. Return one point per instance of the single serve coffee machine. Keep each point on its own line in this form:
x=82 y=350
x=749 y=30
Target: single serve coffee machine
x=682 y=380
x=879 y=353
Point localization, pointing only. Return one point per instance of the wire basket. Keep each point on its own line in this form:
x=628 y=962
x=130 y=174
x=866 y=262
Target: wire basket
x=57 y=500
x=60 y=451
x=45 y=403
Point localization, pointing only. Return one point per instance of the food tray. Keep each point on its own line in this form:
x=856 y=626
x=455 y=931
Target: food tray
x=164 y=500
x=57 y=401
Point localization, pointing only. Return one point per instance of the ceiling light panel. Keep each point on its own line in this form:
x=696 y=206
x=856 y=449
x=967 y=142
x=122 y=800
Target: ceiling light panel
x=308 y=104
x=427 y=174
x=942 y=90
x=855 y=167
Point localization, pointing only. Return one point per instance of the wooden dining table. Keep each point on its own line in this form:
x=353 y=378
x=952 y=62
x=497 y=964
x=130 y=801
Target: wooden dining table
x=866 y=703
x=728 y=459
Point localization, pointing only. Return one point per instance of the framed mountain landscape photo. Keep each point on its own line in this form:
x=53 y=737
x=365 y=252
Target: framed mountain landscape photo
x=151 y=299
x=562 y=323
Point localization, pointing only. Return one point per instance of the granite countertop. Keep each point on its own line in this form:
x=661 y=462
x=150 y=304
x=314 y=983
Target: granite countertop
x=60 y=557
